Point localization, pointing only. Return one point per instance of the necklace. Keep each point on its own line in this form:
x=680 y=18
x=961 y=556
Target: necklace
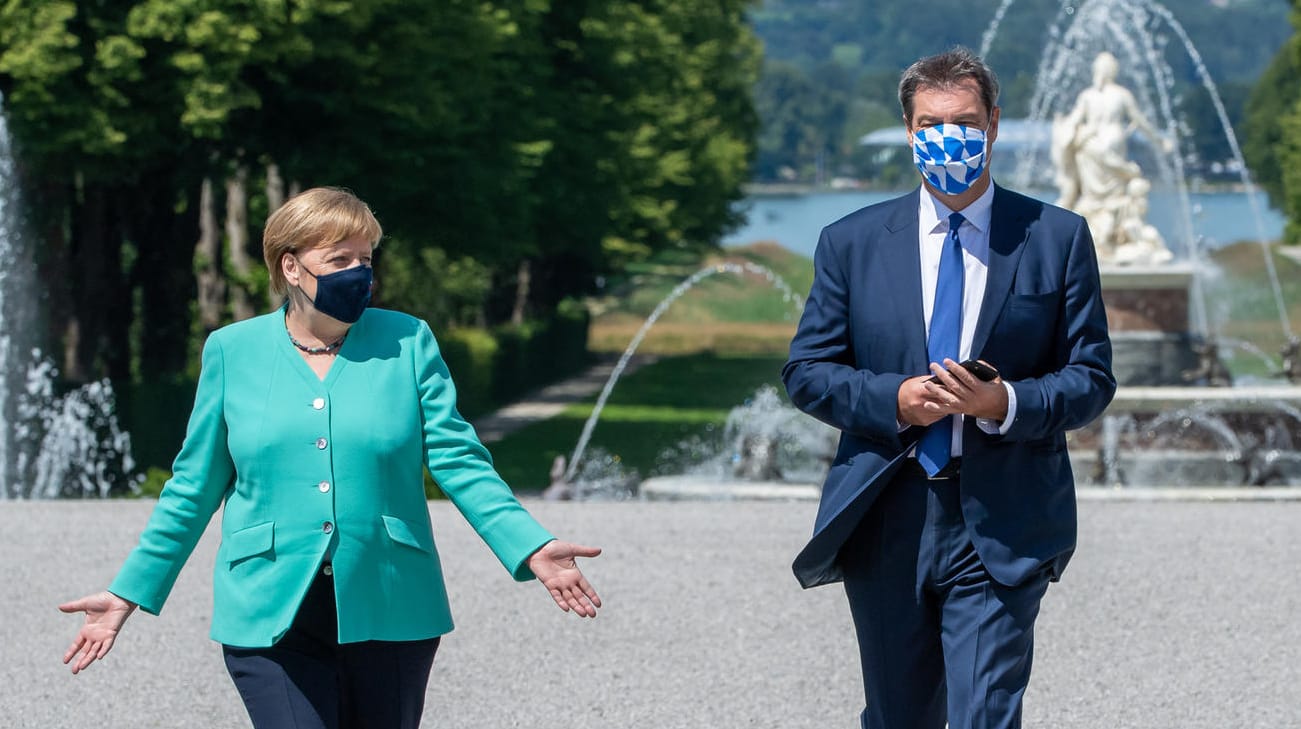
x=327 y=349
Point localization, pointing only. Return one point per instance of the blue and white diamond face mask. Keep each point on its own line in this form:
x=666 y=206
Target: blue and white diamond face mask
x=950 y=156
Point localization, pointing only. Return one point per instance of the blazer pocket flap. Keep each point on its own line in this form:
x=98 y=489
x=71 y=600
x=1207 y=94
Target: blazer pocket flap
x=1032 y=301
x=1050 y=444
x=250 y=541
x=402 y=533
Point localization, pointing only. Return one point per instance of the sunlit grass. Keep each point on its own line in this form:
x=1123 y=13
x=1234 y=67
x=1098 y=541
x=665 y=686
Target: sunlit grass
x=1242 y=306
x=731 y=335
x=649 y=411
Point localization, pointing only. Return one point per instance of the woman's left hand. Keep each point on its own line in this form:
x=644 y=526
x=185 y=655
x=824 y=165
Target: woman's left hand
x=555 y=567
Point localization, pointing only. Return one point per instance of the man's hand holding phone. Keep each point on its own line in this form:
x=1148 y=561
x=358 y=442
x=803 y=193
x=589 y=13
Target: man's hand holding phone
x=971 y=388
x=983 y=371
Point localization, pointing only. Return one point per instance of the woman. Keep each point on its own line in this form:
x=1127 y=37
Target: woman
x=313 y=424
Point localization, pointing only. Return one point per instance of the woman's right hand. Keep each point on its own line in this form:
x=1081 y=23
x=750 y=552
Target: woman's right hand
x=105 y=614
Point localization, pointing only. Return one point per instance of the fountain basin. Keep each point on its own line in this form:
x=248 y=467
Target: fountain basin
x=1193 y=463
x=1148 y=317
x=690 y=488
x=702 y=488
x=1236 y=399
x=1176 y=469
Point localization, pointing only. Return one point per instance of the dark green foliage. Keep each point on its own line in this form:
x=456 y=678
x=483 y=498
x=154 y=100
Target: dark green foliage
x=1273 y=131
x=491 y=368
x=559 y=139
x=155 y=414
x=1272 y=100
x=563 y=140
x=153 y=483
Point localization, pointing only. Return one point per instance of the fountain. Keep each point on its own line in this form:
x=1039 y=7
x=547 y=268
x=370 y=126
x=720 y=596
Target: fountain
x=603 y=477
x=52 y=444
x=767 y=450
x=1175 y=420
x=1172 y=421
x=1134 y=30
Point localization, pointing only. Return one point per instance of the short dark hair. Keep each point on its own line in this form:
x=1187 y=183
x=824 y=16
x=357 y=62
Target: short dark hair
x=944 y=71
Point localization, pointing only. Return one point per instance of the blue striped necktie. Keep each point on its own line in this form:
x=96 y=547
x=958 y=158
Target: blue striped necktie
x=942 y=341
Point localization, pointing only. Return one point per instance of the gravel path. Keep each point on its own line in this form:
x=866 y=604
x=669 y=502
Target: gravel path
x=1172 y=615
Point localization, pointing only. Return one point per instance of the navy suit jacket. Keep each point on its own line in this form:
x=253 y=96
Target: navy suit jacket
x=1042 y=324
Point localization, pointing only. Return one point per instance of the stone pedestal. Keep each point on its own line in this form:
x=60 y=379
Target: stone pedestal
x=1148 y=317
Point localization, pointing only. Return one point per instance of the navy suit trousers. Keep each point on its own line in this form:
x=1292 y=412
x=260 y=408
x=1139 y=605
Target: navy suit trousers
x=940 y=640
x=308 y=680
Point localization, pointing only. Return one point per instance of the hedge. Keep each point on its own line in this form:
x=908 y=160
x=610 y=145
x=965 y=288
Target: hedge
x=494 y=367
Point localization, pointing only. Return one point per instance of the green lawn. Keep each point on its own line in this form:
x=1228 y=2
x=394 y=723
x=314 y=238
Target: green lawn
x=1241 y=304
x=689 y=396
x=724 y=313
x=649 y=411
x=723 y=297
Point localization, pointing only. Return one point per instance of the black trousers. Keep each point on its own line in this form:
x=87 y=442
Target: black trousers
x=308 y=680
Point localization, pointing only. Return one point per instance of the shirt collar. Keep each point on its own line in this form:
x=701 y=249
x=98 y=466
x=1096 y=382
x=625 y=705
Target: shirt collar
x=933 y=215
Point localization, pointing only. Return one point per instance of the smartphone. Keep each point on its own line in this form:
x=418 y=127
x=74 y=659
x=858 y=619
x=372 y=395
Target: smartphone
x=982 y=371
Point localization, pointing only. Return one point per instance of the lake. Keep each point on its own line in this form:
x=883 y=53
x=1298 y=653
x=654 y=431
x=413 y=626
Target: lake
x=795 y=221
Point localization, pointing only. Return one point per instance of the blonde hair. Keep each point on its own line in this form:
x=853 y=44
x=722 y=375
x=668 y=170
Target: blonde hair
x=314 y=218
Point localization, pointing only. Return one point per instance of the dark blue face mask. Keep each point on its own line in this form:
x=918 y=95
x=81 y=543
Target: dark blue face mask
x=344 y=294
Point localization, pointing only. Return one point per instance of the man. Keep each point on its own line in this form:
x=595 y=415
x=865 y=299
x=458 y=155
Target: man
x=950 y=504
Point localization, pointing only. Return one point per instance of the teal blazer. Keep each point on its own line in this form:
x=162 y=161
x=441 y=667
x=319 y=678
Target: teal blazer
x=311 y=470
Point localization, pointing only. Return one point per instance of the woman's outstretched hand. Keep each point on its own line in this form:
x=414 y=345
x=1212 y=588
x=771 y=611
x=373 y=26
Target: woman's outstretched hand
x=555 y=567
x=105 y=614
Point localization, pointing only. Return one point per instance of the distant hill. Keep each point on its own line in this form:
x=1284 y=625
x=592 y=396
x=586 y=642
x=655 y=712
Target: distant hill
x=832 y=67
x=1236 y=39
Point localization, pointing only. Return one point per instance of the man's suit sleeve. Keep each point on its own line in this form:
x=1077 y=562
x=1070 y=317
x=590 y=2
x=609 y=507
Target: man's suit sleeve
x=1080 y=390
x=822 y=377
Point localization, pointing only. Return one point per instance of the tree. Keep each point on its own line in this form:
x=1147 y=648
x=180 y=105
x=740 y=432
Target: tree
x=805 y=120
x=531 y=144
x=1273 y=124
x=1271 y=100
x=644 y=134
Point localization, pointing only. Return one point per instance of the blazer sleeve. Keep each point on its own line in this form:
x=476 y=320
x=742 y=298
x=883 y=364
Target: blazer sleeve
x=201 y=476
x=822 y=377
x=463 y=467
x=1083 y=386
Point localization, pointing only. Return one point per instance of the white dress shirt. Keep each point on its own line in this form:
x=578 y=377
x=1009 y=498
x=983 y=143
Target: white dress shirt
x=933 y=229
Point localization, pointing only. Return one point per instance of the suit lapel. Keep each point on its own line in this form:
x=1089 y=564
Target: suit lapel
x=1009 y=230
x=901 y=255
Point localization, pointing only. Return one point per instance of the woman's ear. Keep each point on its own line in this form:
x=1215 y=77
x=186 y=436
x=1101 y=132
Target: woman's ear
x=289 y=267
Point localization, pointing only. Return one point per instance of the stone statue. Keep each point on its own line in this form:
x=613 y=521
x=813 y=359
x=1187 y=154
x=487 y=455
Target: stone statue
x=1210 y=370
x=755 y=458
x=559 y=489
x=1291 y=361
x=1094 y=174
